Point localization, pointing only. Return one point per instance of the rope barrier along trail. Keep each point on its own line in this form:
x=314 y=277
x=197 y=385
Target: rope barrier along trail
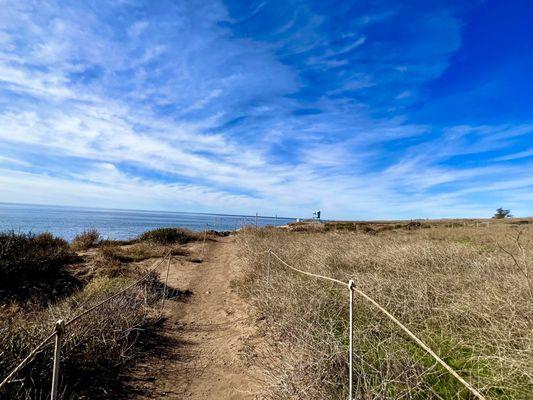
x=28 y=358
x=351 y=286
x=423 y=345
x=48 y=339
x=307 y=273
x=418 y=341
x=77 y=317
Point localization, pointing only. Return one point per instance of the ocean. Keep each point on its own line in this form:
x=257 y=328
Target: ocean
x=67 y=222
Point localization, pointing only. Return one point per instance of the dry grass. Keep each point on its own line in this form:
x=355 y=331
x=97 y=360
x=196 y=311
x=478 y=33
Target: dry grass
x=86 y=240
x=458 y=289
x=112 y=260
x=96 y=346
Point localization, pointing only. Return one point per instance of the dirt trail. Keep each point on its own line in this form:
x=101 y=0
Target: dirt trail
x=208 y=339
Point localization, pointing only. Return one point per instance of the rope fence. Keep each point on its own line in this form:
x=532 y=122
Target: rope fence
x=353 y=289
x=61 y=325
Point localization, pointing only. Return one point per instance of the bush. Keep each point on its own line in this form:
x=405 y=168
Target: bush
x=169 y=236
x=25 y=257
x=501 y=213
x=86 y=240
x=97 y=345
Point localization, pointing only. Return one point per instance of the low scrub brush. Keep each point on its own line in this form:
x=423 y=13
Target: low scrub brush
x=169 y=236
x=29 y=263
x=86 y=240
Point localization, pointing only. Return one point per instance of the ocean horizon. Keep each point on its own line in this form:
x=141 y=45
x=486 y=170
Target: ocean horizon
x=118 y=224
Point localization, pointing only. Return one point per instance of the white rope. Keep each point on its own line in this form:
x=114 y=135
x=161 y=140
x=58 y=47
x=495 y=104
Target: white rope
x=30 y=356
x=308 y=273
x=423 y=345
x=393 y=319
x=157 y=264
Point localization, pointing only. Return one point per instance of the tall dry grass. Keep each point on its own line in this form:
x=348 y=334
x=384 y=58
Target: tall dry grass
x=96 y=346
x=458 y=289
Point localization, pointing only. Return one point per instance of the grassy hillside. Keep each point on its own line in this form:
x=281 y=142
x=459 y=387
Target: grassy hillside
x=465 y=291
x=44 y=279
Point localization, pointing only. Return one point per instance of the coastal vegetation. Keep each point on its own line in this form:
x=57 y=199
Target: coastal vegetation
x=170 y=235
x=44 y=278
x=462 y=286
x=86 y=239
x=32 y=267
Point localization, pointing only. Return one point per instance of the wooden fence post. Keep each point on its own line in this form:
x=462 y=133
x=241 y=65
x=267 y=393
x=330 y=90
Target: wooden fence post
x=59 y=331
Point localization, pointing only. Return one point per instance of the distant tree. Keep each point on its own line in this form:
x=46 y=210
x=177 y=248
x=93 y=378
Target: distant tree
x=501 y=213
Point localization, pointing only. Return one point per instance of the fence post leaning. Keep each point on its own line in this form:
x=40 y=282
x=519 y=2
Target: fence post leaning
x=351 y=286
x=59 y=331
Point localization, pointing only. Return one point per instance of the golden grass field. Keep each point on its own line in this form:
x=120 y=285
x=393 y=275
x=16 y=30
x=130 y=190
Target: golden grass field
x=464 y=287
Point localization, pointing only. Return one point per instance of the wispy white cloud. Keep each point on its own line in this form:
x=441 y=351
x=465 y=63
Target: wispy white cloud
x=178 y=109
x=10 y=161
x=516 y=156
x=46 y=189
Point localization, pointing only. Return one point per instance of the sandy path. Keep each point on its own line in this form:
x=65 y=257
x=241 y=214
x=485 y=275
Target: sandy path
x=208 y=340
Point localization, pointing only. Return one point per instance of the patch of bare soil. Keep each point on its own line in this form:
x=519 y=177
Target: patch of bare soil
x=205 y=349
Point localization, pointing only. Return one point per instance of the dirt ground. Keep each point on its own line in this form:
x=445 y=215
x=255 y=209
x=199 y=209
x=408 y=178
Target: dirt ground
x=208 y=338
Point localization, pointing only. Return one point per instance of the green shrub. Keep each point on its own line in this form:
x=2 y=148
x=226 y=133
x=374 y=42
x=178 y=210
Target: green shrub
x=27 y=257
x=86 y=240
x=169 y=236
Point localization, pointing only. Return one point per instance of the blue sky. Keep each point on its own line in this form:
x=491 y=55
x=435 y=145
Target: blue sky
x=363 y=109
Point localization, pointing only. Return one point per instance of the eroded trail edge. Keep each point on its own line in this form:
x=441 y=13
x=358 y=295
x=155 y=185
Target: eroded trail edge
x=206 y=351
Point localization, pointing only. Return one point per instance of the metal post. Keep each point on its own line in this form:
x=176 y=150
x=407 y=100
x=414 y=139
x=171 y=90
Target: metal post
x=256 y=222
x=166 y=284
x=351 y=285
x=59 y=330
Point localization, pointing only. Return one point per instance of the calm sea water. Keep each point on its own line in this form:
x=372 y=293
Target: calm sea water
x=67 y=222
